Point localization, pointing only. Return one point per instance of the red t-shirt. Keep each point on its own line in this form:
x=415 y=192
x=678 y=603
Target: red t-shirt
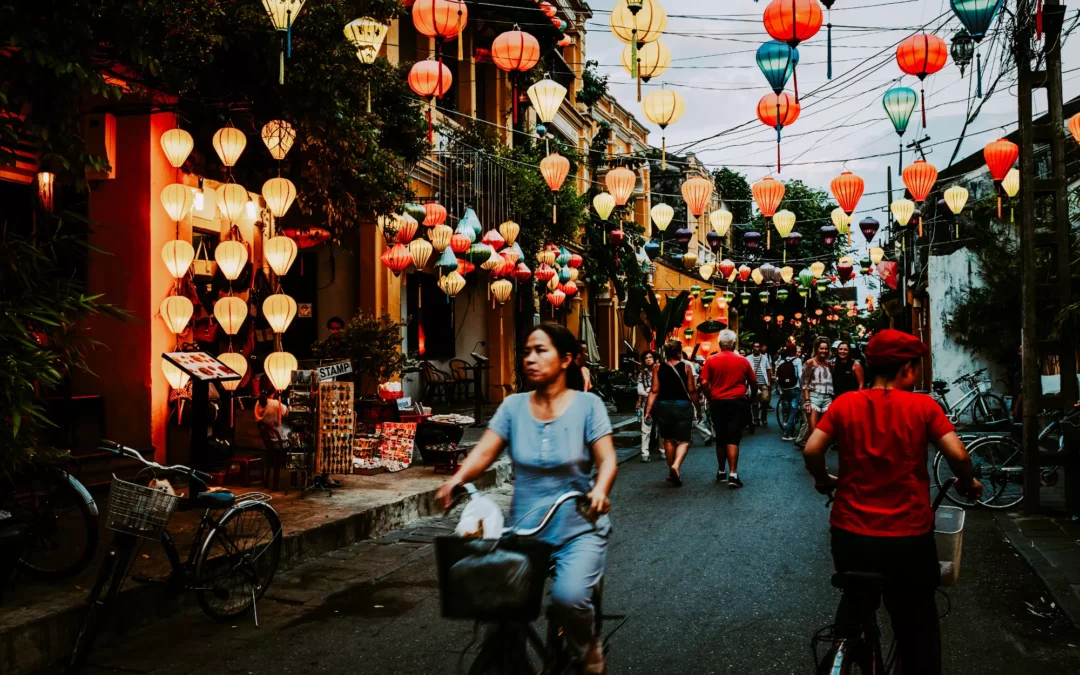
x=726 y=375
x=883 y=436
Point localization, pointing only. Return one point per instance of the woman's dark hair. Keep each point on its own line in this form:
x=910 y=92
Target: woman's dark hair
x=565 y=343
x=265 y=389
x=656 y=357
x=673 y=350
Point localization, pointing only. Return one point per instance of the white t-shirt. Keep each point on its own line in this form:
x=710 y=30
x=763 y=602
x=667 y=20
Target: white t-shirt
x=760 y=364
x=274 y=412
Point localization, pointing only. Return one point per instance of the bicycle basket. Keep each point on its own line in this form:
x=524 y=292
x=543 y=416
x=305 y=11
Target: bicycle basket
x=985 y=386
x=484 y=581
x=139 y=510
x=949 y=539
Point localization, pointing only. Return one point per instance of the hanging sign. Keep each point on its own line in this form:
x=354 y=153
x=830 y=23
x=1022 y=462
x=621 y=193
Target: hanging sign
x=333 y=370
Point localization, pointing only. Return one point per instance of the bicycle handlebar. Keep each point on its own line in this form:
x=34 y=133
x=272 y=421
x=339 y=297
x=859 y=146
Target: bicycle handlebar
x=942 y=489
x=124 y=451
x=469 y=490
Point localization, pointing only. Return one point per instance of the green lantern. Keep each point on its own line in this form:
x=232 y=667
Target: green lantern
x=865 y=264
x=763 y=296
x=729 y=297
x=479 y=253
x=804 y=291
x=695 y=291
x=688 y=334
x=806 y=277
x=708 y=296
x=782 y=294
x=745 y=297
x=822 y=285
x=564 y=257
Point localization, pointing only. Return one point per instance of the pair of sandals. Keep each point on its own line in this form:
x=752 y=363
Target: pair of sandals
x=674 y=478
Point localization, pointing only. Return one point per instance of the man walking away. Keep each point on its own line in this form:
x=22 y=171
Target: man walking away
x=759 y=404
x=788 y=377
x=725 y=378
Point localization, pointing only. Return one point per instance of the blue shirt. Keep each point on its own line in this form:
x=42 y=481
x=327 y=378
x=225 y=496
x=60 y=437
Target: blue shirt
x=552 y=458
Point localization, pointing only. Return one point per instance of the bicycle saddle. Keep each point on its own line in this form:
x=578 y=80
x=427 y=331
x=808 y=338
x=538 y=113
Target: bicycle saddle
x=941 y=385
x=859 y=581
x=218 y=500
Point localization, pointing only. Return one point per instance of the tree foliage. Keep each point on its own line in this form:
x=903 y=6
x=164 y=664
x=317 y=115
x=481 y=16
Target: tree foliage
x=371 y=343
x=593 y=85
x=735 y=192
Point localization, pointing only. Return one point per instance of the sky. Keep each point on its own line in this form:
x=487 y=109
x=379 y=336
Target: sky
x=843 y=122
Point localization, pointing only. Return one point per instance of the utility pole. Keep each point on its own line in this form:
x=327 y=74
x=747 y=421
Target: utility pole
x=1056 y=244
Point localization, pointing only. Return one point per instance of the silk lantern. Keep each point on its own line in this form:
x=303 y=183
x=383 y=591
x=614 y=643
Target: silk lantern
x=697 y=191
x=278 y=137
x=778 y=111
x=847 y=188
x=1011 y=186
x=921 y=55
x=662 y=108
x=556 y=298
x=721 y=219
x=604 y=204
x=919 y=178
x=279 y=367
x=767 y=195
x=877 y=254
x=231 y=256
x=280 y=252
x=442 y=20
x=793 y=22
x=397 y=258
x=232 y=200
x=902 y=210
x=726 y=267
x=176 y=311
x=230 y=312
x=236 y=363
x=279 y=310
x=177 y=200
x=653 y=58
x=752 y=240
x=279 y=194
x=869 y=228
x=757 y=276
x=178 y=255
x=510 y=231
x=977 y=15
x=501 y=289
x=777 y=61
x=515 y=51
x=842 y=221
x=420 y=250
x=637 y=25
x=899 y=103
x=430 y=79
x=1000 y=157
x=828 y=234
x=554 y=168
x=1074 y=127
x=440 y=237
x=176 y=378
x=546 y=96
x=434 y=214
x=282 y=15
x=229 y=143
x=452 y=283
x=784 y=222
x=956 y=198
x=787 y=274
x=177 y=145
x=661 y=215
x=620 y=182
x=817 y=268
x=407 y=230
x=689 y=260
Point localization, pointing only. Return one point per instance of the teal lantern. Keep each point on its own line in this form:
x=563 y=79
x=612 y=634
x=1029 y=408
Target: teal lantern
x=564 y=257
x=782 y=294
x=471 y=220
x=777 y=62
x=564 y=273
x=763 y=296
x=976 y=15
x=465 y=230
x=899 y=104
x=447 y=262
x=745 y=297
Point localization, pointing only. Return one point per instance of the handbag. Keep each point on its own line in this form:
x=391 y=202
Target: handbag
x=491 y=580
x=203 y=265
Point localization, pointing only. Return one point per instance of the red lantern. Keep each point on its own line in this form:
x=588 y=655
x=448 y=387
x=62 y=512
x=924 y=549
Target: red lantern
x=554 y=168
x=493 y=239
x=515 y=51
x=397 y=258
x=435 y=214
x=407 y=231
x=848 y=190
x=792 y=22
x=430 y=79
x=464 y=267
x=922 y=54
x=307 y=237
x=919 y=177
x=441 y=19
x=548 y=9
x=744 y=272
x=726 y=267
x=522 y=273
x=767 y=194
x=544 y=272
x=556 y=298
x=569 y=288
x=778 y=111
x=576 y=261
x=565 y=41
x=617 y=237
x=459 y=243
x=505 y=269
x=620 y=183
x=1000 y=157
x=697 y=191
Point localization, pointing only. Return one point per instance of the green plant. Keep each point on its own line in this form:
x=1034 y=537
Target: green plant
x=372 y=344
x=644 y=311
x=593 y=86
x=42 y=339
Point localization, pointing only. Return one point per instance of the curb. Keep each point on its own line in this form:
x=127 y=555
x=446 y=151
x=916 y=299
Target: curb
x=48 y=640
x=1059 y=587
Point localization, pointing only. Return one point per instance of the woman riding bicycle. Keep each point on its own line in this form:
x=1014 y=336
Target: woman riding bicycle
x=555 y=435
x=882 y=521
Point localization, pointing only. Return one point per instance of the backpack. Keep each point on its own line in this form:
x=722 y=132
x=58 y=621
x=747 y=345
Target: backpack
x=786 y=374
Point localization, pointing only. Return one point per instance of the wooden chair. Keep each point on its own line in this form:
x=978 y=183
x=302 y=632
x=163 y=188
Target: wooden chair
x=463 y=379
x=437 y=383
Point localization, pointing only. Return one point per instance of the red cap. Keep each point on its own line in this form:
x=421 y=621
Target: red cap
x=892 y=346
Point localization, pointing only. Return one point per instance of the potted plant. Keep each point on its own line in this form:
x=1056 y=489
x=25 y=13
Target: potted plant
x=372 y=344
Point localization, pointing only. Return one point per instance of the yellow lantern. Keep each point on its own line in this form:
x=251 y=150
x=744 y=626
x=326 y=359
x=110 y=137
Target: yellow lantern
x=604 y=204
x=640 y=27
x=662 y=108
x=177 y=255
x=232 y=199
x=278 y=137
x=841 y=220
x=784 y=221
x=177 y=199
x=661 y=215
x=248 y=217
x=420 y=250
x=176 y=378
x=231 y=256
x=501 y=290
x=452 y=283
x=279 y=310
x=553 y=283
x=229 y=142
x=877 y=254
x=177 y=145
x=846 y=260
x=818 y=268
x=238 y=364
x=440 y=237
x=787 y=274
x=652 y=60
x=279 y=194
x=707 y=271
x=689 y=260
x=176 y=310
x=494 y=260
x=280 y=253
x=367 y=35
x=546 y=96
x=279 y=367
x=956 y=198
x=902 y=210
x=230 y=312
x=509 y=231
x=721 y=221
x=546 y=256
x=757 y=276
x=1011 y=184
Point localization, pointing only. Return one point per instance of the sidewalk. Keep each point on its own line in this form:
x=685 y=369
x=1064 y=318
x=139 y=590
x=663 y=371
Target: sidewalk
x=1051 y=546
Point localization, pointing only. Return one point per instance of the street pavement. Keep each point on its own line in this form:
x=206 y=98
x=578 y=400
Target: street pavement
x=712 y=580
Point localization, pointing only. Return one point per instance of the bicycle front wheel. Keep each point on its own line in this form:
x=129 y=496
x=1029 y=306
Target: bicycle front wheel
x=110 y=579
x=988 y=408
x=783 y=410
x=1001 y=470
x=238 y=560
x=63 y=527
x=510 y=651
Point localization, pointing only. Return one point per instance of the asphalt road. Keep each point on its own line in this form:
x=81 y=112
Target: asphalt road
x=713 y=580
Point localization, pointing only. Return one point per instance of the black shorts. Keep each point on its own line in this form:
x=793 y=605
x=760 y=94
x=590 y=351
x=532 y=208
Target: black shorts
x=674 y=420
x=728 y=418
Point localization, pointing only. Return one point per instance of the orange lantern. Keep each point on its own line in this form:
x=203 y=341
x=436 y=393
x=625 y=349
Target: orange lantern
x=697 y=191
x=441 y=19
x=792 y=22
x=922 y=54
x=554 y=168
x=408 y=230
x=430 y=79
x=459 y=243
x=848 y=190
x=397 y=258
x=778 y=111
x=767 y=195
x=515 y=51
x=620 y=183
x=556 y=298
x=919 y=177
x=1000 y=157
x=1074 y=127
x=434 y=214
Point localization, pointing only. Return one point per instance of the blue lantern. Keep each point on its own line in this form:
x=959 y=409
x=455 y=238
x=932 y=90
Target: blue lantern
x=976 y=15
x=777 y=62
x=652 y=249
x=899 y=104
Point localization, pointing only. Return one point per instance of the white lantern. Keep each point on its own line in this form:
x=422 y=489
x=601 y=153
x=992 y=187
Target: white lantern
x=229 y=142
x=278 y=137
x=546 y=96
x=178 y=255
x=248 y=217
x=279 y=310
x=231 y=256
x=177 y=378
x=177 y=145
x=176 y=310
x=177 y=199
x=230 y=312
x=279 y=367
x=232 y=199
x=279 y=194
x=280 y=252
x=238 y=364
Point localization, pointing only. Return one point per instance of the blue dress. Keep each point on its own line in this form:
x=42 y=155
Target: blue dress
x=550 y=459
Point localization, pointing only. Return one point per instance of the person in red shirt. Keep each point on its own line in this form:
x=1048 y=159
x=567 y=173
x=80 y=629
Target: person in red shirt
x=727 y=379
x=882 y=520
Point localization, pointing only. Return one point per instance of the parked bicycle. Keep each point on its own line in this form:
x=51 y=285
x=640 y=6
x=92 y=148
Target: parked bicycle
x=857 y=648
x=978 y=405
x=232 y=559
x=62 y=522
x=511 y=645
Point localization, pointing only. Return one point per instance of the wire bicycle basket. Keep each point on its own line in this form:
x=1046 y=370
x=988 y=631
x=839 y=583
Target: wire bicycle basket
x=139 y=510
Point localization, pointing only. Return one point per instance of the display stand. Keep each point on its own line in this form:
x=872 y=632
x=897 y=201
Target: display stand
x=336 y=424
x=202 y=369
x=303 y=410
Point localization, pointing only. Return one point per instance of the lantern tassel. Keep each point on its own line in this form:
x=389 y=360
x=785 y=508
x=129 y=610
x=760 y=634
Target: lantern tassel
x=633 y=54
x=920 y=226
x=999 y=207
x=281 y=67
x=430 y=131
x=515 y=99
x=1039 y=20
x=288 y=33
x=957 y=227
x=978 y=75
x=369 y=97
x=460 y=47
x=922 y=100
x=639 y=86
x=829 y=46
x=900 y=163
x=795 y=78
x=554 y=209
x=663 y=153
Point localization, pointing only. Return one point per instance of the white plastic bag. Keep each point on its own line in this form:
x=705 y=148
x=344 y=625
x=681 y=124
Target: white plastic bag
x=481 y=519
